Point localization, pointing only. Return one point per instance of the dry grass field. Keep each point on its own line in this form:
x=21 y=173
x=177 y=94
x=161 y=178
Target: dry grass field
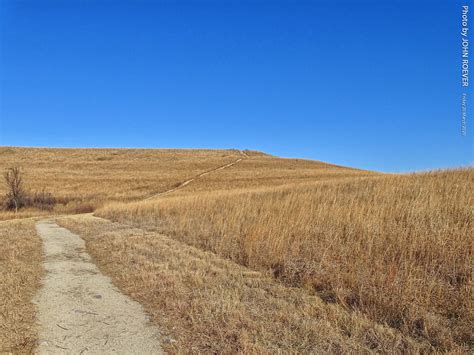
x=82 y=179
x=396 y=248
x=207 y=304
x=270 y=254
x=263 y=171
x=20 y=273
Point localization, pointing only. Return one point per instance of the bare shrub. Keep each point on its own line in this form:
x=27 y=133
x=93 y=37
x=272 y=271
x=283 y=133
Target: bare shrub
x=42 y=199
x=16 y=196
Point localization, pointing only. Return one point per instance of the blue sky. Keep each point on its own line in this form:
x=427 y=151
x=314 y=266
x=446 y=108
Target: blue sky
x=369 y=84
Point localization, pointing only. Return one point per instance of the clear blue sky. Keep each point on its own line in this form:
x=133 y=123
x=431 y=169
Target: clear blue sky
x=369 y=84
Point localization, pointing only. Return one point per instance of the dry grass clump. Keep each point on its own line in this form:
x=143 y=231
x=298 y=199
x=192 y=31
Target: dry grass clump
x=205 y=304
x=20 y=274
x=396 y=248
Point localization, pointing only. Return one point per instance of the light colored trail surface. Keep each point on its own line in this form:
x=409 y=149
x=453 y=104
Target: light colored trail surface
x=184 y=183
x=80 y=311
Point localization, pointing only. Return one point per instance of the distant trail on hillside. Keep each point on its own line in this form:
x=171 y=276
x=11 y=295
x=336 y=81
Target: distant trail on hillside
x=186 y=182
x=80 y=311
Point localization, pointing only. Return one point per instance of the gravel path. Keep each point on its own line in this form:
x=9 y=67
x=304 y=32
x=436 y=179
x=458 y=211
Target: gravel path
x=80 y=311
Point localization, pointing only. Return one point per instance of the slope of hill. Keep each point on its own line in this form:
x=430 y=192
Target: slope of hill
x=384 y=259
x=396 y=248
x=82 y=179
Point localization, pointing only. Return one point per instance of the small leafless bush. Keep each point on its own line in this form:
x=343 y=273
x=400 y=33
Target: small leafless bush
x=42 y=200
x=16 y=196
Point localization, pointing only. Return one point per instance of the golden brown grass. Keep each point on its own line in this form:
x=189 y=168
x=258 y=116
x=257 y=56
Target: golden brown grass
x=23 y=213
x=84 y=179
x=396 y=248
x=96 y=175
x=206 y=304
x=266 y=171
x=20 y=274
x=390 y=256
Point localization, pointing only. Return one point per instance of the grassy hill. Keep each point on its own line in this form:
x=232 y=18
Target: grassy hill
x=395 y=248
x=81 y=180
x=385 y=257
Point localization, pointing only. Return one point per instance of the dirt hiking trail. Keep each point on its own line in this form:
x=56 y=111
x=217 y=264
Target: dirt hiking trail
x=79 y=310
x=184 y=183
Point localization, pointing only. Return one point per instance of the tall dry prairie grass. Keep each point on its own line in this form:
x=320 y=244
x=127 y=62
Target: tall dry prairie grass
x=20 y=276
x=397 y=248
x=210 y=305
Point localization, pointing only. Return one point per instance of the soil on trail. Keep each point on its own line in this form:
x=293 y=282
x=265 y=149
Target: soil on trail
x=186 y=182
x=79 y=310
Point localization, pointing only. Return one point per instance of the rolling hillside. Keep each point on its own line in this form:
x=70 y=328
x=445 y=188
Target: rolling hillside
x=83 y=179
x=254 y=253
